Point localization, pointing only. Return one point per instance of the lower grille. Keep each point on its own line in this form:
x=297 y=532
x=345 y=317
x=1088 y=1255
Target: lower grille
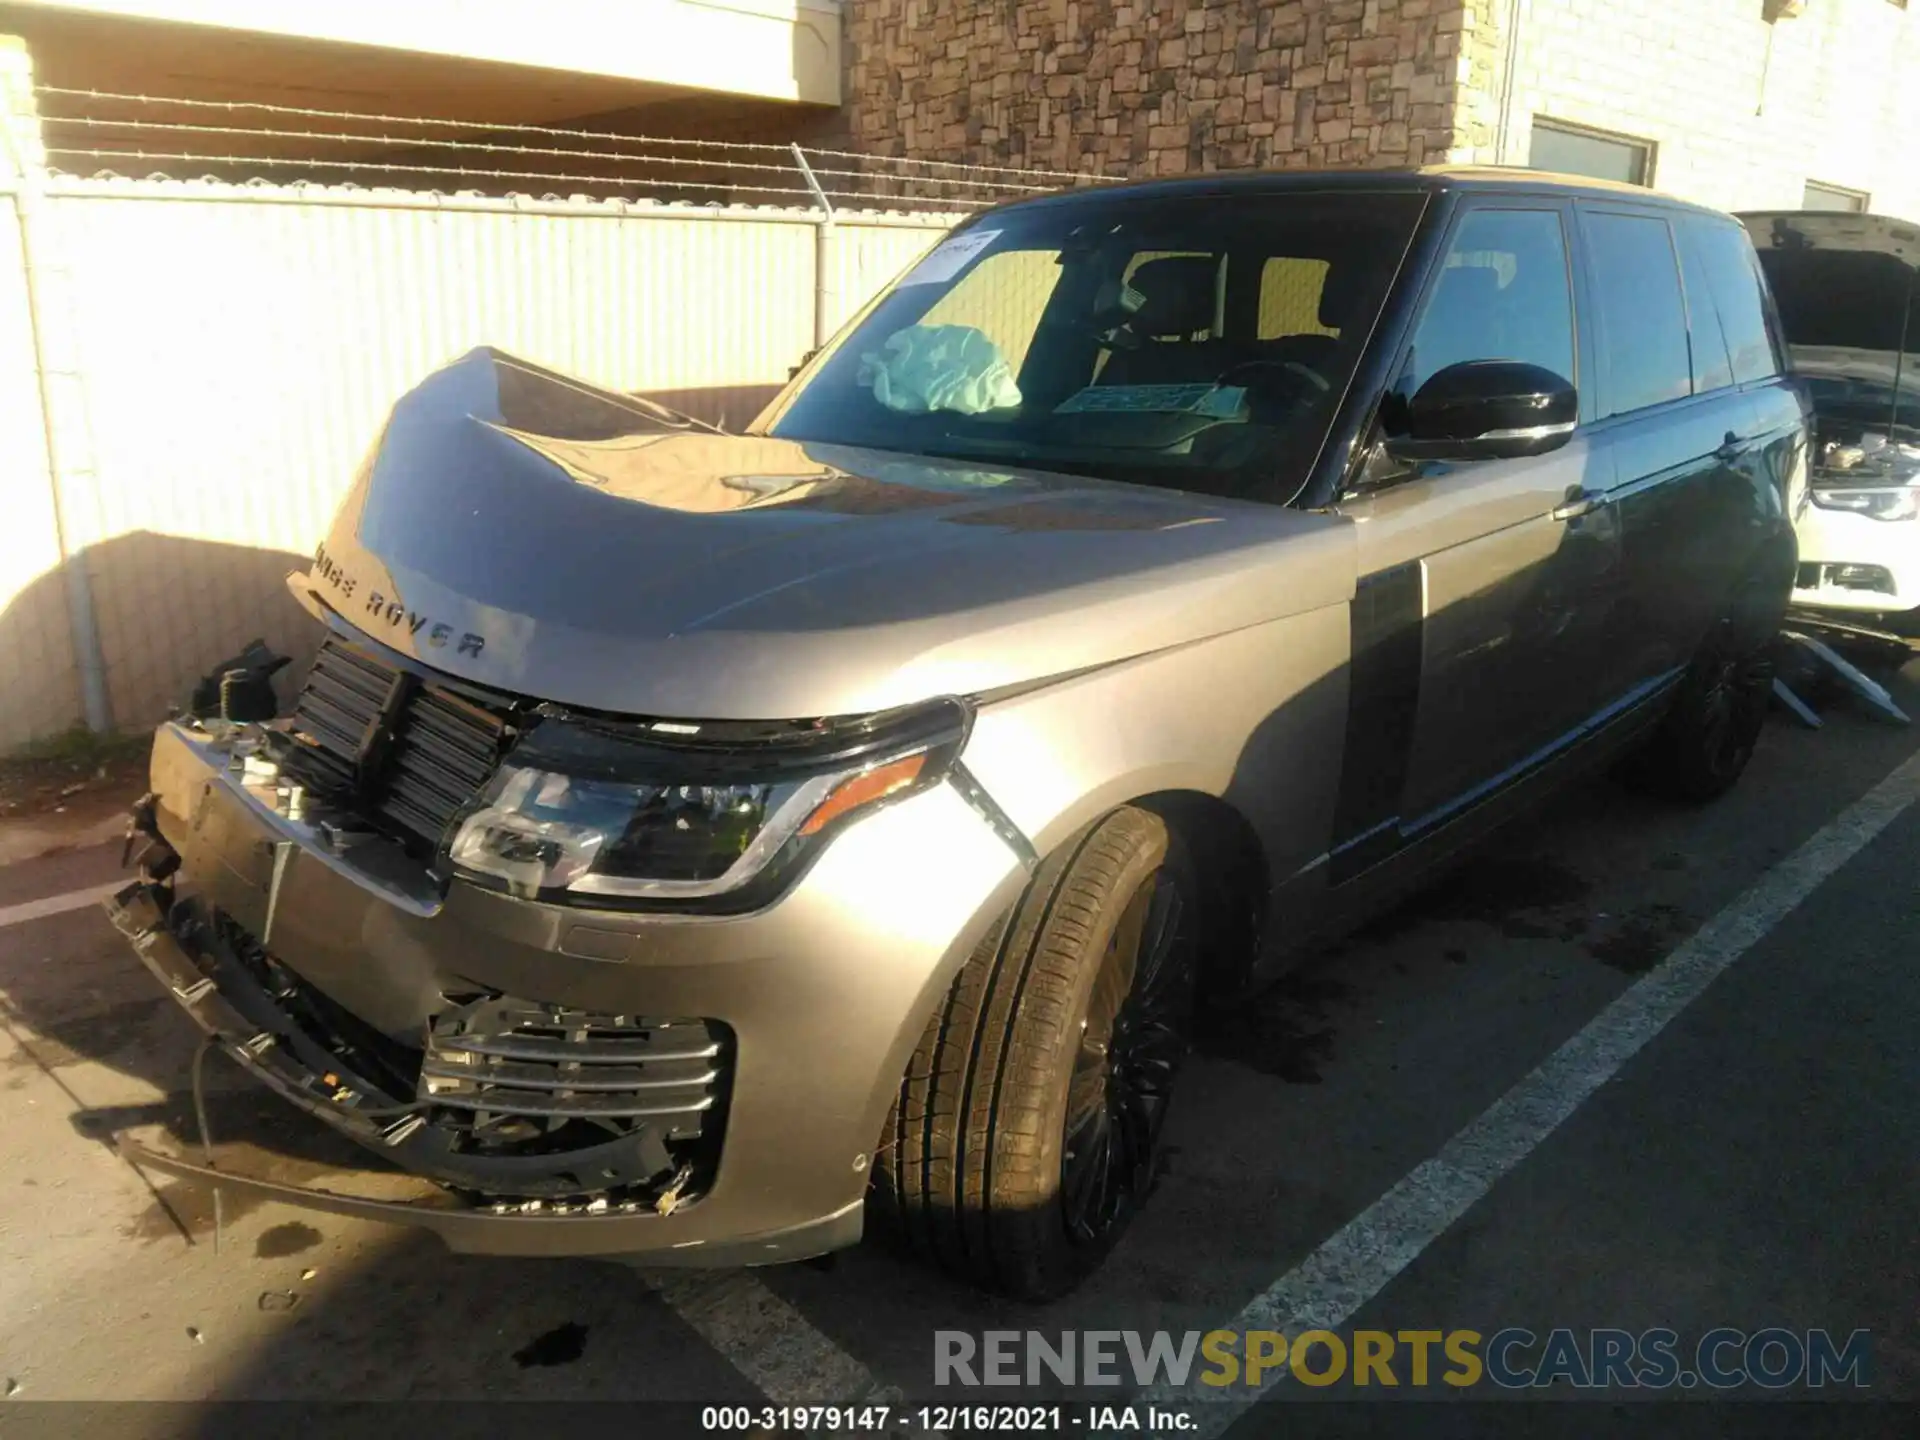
x=517 y=1077
x=402 y=749
x=510 y=1099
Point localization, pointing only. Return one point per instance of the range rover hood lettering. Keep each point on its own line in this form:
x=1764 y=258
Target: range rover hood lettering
x=525 y=531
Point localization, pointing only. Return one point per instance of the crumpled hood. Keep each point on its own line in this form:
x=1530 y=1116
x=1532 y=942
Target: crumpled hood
x=529 y=532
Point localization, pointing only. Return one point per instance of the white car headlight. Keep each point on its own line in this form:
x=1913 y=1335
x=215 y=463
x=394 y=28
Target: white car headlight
x=1890 y=502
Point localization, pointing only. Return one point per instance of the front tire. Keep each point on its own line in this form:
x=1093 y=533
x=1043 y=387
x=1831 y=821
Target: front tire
x=1027 y=1128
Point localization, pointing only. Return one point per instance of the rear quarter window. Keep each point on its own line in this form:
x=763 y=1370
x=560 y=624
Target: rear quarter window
x=1644 y=356
x=1712 y=364
x=1723 y=254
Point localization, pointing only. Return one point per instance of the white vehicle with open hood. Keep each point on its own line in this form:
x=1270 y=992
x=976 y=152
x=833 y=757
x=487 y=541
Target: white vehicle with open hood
x=1850 y=312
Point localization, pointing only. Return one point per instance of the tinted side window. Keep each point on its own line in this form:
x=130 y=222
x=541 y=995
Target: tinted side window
x=1643 y=320
x=1725 y=255
x=1502 y=295
x=1712 y=366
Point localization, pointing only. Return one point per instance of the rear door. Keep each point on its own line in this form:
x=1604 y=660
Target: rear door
x=1680 y=435
x=1723 y=266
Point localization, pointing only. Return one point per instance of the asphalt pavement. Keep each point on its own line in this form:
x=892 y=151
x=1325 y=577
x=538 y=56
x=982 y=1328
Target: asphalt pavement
x=1632 y=1069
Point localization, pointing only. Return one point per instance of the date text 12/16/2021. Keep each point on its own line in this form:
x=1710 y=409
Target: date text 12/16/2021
x=945 y=1419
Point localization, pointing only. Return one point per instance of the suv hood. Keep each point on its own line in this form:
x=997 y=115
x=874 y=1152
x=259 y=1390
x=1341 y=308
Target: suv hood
x=1850 y=309
x=532 y=533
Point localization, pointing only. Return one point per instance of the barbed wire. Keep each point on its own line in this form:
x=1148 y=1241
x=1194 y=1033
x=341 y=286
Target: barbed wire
x=487 y=126
x=447 y=169
x=470 y=172
x=416 y=142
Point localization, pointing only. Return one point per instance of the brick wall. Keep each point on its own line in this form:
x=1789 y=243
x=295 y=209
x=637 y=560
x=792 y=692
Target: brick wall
x=1162 y=88
x=1732 y=127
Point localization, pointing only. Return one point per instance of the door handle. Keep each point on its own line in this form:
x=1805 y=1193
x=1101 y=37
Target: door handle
x=1731 y=448
x=1578 y=503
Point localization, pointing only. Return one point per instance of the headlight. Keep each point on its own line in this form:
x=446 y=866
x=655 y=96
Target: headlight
x=1886 y=503
x=585 y=809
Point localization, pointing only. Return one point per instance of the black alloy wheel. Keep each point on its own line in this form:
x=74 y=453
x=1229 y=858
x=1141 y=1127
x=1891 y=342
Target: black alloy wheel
x=1132 y=1041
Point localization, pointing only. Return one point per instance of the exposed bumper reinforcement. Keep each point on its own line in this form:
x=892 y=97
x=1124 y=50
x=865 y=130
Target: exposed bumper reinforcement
x=505 y=1227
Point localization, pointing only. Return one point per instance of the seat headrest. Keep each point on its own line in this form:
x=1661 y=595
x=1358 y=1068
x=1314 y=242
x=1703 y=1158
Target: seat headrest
x=1180 y=291
x=1341 y=291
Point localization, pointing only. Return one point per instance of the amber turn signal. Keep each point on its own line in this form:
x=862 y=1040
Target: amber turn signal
x=864 y=789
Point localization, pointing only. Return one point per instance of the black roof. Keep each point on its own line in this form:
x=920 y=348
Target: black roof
x=1429 y=179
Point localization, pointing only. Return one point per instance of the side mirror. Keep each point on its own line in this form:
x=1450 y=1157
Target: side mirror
x=1485 y=410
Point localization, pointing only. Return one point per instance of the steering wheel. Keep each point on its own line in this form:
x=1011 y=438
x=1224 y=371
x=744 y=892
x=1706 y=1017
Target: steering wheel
x=1306 y=377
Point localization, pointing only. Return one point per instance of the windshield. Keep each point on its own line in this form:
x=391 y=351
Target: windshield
x=1196 y=343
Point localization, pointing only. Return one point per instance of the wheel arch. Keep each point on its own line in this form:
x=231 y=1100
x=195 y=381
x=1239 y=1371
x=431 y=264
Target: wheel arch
x=1230 y=867
x=1762 y=590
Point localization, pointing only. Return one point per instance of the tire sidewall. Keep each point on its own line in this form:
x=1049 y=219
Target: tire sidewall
x=1060 y=1261
x=1714 y=773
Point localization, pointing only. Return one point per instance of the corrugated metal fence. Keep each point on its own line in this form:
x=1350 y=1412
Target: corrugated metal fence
x=211 y=359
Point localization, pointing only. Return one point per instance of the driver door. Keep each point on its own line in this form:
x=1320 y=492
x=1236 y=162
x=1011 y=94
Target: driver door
x=1484 y=596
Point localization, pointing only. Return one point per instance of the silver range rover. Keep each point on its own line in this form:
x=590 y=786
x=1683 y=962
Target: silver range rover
x=696 y=847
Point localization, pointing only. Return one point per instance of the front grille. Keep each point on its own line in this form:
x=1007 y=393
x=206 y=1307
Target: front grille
x=402 y=749
x=515 y=1077
x=444 y=751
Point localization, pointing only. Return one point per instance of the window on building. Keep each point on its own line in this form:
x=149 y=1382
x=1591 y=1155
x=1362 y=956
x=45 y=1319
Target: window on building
x=1569 y=150
x=1721 y=253
x=1643 y=319
x=1502 y=295
x=1831 y=197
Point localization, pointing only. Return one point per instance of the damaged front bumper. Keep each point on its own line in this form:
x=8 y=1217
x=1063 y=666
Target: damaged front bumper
x=512 y=1051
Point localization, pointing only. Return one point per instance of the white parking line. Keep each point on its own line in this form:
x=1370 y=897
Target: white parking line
x=1361 y=1259
x=56 y=904
x=767 y=1340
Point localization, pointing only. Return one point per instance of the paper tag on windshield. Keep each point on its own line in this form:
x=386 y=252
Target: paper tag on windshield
x=1216 y=402
x=949 y=258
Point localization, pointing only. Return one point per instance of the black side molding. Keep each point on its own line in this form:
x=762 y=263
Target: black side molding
x=1383 y=698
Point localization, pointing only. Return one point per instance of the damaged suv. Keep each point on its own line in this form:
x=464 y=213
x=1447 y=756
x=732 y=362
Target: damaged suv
x=688 y=846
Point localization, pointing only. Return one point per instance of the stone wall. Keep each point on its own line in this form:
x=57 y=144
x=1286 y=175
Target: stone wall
x=1157 y=89
x=1740 y=114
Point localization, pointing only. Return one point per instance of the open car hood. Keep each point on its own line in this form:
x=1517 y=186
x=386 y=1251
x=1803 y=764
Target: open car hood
x=1850 y=307
x=529 y=532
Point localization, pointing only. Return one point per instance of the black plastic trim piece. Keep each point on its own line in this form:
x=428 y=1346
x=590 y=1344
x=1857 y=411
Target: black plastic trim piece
x=997 y=819
x=596 y=748
x=1383 y=700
